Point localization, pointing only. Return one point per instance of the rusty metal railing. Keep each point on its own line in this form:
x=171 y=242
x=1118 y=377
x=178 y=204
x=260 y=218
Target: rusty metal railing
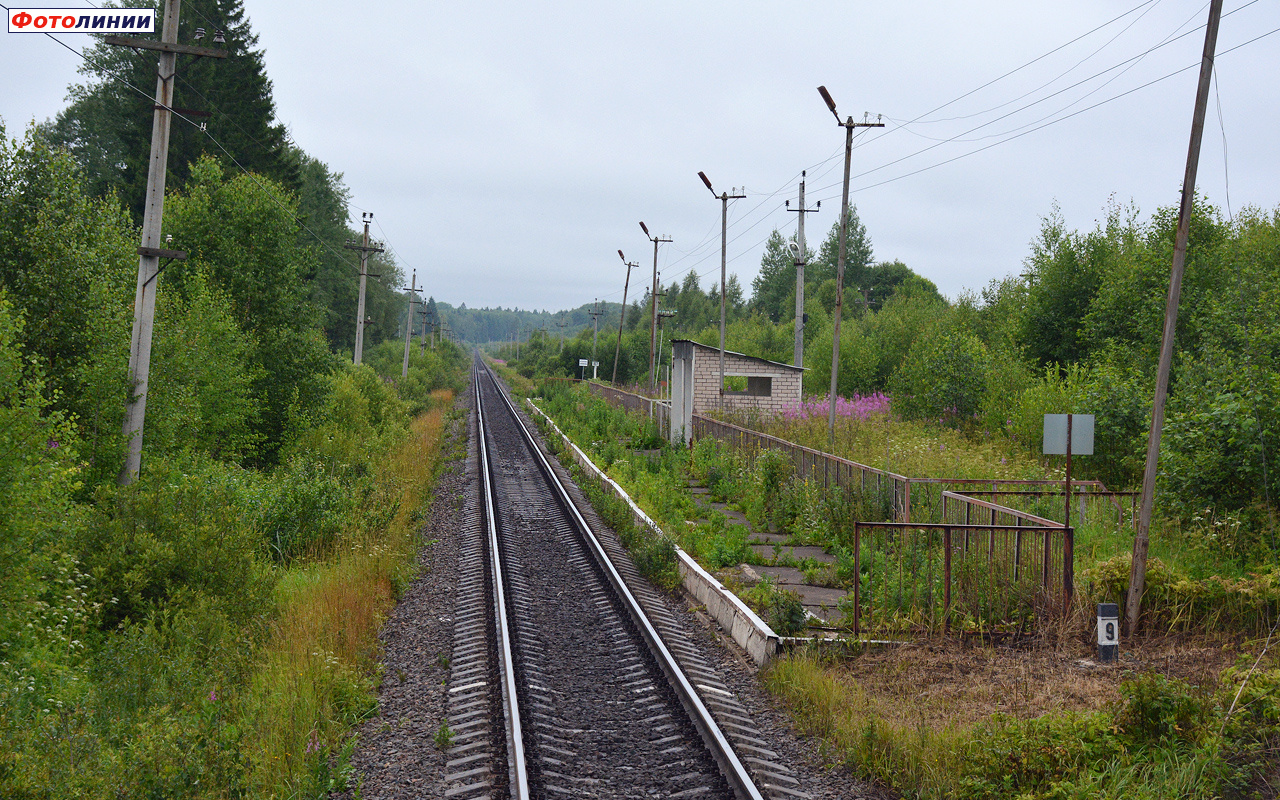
x=655 y=409
x=965 y=563
x=913 y=577
x=813 y=465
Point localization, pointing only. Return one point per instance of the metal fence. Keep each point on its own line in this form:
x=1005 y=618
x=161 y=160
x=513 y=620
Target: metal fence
x=950 y=561
x=814 y=465
x=930 y=576
x=657 y=410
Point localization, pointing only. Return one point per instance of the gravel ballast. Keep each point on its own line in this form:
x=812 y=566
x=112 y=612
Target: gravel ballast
x=396 y=756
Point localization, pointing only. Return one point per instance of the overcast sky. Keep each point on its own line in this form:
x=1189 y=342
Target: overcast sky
x=508 y=150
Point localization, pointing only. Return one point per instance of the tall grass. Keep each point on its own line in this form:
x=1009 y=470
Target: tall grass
x=879 y=439
x=1163 y=739
x=317 y=669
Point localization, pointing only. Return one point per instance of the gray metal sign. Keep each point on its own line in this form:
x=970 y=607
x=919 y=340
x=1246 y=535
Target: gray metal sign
x=1055 y=434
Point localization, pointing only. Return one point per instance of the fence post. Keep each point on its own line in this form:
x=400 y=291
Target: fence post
x=857 y=577
x=946 y=579
x=1017 y=553
x=906 y=503
x=1068 y=569
x=1044 y=570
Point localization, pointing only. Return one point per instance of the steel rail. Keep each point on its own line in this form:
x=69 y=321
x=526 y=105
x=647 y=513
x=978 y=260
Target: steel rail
x=518 y=768
x=713 y=738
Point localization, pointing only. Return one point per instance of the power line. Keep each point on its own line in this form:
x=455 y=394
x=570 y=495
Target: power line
x=219 y=145
x=1152 y=3
x=1060 y=119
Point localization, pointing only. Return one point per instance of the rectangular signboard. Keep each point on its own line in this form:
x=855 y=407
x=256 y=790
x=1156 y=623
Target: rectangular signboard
x=582 y=362
x=1055 y=434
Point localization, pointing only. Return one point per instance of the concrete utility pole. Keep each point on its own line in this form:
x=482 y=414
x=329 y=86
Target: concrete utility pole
x=150 y=251
x=617 y=352
x=596 y=311
x=1141 y=538
x=422 y=340
x=800 y=257
x=848 y=126
x=724 y=198
x=408 y=325
x=561 y=324
x=365 y=249
x=653 y=323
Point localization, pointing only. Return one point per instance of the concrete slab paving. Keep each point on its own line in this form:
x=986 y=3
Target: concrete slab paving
x=797 y=552
x=820 y=601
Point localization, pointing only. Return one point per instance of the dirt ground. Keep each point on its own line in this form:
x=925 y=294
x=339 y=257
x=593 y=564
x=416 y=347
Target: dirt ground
x=949 y=682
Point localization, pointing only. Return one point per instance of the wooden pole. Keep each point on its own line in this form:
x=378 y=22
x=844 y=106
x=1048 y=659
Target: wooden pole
x=1141 y=539
x=144 y=301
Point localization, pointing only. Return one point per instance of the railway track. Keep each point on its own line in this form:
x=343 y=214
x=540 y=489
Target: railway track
x=564 y=682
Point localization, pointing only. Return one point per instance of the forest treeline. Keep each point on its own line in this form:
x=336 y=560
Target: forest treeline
x=1078 y=330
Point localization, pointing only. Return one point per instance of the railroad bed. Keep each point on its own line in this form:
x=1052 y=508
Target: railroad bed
x=570 y=677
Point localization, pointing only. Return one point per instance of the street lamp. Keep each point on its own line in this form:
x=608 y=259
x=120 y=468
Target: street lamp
x=848 y=126
x=724 y=198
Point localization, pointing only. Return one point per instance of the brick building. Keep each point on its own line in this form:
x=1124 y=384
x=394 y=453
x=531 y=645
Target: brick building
x=763 y=385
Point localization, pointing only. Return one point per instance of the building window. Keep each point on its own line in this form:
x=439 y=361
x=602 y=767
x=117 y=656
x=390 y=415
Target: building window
x=748 y=385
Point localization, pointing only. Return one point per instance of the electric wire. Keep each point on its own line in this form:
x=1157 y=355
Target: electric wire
x=254 y=178
x=1164 y=43
x=1055 y=121
x=1060 y=75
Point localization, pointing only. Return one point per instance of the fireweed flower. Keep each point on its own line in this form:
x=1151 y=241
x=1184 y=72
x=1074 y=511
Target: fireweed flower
x=858 y=407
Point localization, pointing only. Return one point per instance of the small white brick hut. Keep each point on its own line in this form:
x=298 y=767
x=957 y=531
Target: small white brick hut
x=695 y=384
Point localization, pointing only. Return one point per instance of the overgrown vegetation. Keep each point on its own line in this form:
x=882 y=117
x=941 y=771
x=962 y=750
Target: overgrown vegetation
x=1077 y=331
x=210 y=629
x=1163 y=738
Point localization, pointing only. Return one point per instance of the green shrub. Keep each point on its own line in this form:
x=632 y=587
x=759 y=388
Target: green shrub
x=943 y=377
x=781 y=608
x=302 y=510
x=176 y=537
x=1159 y=710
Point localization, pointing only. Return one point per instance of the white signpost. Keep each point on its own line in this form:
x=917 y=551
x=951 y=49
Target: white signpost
x=1068 y=434
x=582 y=368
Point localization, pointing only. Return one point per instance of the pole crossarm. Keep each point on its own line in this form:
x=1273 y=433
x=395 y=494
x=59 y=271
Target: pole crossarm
x=165 y=47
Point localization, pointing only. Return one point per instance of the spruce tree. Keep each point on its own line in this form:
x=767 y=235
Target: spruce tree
x=107 y=126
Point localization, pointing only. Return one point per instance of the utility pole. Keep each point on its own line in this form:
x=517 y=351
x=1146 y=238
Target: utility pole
x=422 y=340
x=408 y=324
x=1141 y=538
x=561 y=324
x=365 y=249
x=724 y=198
x=653 y=323
x=848 y=126
x=150 y=251
x=800 y=257
x=661 y=316
x=596 y=311
x=617 y=352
